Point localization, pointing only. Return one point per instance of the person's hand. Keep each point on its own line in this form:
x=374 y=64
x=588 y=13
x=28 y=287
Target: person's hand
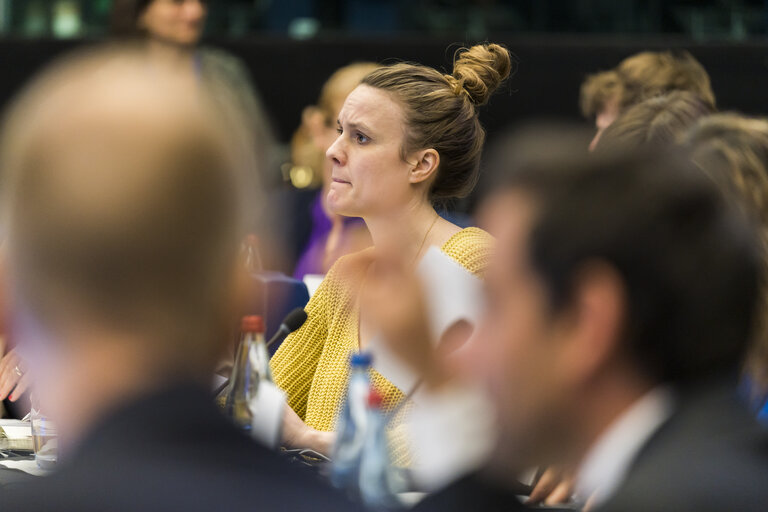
x=297 y=434
x=555 y=486
x=393 y=304
x=14 y=379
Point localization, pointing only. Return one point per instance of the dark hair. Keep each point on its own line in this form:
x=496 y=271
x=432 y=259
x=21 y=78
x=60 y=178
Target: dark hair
x=688 y=260
x=733 y=151
x=662 y=120
x=124 y=18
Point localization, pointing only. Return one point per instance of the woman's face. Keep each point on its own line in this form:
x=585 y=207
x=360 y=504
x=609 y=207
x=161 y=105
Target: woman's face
x=369 y=175
x=178 y=22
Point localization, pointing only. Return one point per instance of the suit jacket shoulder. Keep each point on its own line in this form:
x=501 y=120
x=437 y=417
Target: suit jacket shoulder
x=710 y=456
x=172 y=451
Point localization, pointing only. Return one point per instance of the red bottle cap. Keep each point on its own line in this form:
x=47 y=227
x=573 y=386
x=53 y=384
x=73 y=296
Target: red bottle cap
x=375 y=399
x=252 y=323
x=252 y=241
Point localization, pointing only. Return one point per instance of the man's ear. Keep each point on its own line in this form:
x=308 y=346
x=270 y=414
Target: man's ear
x=425 y=164
x=596 y=319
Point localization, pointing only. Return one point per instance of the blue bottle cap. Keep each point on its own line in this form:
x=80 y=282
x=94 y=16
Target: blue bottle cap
x=361 y=359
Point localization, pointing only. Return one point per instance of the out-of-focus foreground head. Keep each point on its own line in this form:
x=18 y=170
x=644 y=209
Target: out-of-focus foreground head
x=596 y=295
x=123 y=216
x=645 y=75
x=733 y=150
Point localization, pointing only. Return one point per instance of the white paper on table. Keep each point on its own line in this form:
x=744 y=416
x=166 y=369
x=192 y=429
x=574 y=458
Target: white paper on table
x=27 y=466
x=452 y=294
x=16 y=429
x=312 y=282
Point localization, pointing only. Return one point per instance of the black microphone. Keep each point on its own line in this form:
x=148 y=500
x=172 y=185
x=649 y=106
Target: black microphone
x=292 y=322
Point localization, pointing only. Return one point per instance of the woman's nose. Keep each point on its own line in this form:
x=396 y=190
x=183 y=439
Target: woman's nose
x=335 y=153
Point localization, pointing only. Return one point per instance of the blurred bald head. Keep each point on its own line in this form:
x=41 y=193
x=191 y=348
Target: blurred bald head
x=121 y=203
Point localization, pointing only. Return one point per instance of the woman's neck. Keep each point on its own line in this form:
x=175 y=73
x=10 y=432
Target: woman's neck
x=407 y=232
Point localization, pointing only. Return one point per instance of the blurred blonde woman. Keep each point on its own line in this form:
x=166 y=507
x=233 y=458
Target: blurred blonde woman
x=332 y=235
x=605 y=95
x=408 y=136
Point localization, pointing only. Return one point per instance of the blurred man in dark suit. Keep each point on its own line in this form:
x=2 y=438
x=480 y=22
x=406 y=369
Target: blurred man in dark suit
x=124 y=217
x=619 y=312
x=619 y=305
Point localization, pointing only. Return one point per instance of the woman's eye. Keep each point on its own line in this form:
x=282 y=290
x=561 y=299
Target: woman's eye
x=361 y=139
x=339 y=131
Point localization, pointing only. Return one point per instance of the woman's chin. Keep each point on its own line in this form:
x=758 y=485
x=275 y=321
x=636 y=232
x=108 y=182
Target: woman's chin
x=339 y=208
x=334 y=202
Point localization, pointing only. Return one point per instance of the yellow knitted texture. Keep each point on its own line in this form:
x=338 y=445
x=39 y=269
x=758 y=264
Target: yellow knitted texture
x=312 y=364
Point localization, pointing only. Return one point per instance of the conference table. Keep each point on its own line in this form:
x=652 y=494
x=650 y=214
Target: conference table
x=18 y=467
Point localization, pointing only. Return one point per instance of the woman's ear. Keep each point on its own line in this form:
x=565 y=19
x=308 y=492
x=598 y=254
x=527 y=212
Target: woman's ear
x=425 y=167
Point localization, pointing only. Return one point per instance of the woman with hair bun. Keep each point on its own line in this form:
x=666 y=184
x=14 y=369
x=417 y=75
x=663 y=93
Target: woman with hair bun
x=409 y=136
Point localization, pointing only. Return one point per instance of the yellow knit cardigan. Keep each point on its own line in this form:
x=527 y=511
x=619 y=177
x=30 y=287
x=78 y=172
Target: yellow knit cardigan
x=312 y=364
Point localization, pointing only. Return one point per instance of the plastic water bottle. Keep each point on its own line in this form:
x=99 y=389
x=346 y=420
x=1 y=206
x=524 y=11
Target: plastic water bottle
x=351 y=426
x=244 y=381
x=259 y=357
x=378 y=485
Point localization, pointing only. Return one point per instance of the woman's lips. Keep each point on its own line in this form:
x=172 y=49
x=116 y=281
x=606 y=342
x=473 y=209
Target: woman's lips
x=338 y=180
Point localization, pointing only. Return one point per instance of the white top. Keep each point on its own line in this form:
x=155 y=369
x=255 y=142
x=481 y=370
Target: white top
x=606 y=465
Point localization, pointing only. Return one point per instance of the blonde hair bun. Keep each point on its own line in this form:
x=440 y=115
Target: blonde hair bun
x=478 y=71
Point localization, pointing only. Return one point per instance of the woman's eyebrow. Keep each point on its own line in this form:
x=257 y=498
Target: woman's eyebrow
x=355 y=126
x=359 y=126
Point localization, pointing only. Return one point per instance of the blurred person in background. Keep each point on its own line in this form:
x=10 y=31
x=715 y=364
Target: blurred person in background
x=171 y=31
x=332 y=235
x=408 y=136
x=124 y=217
x=733 y=150
x=607 y=94
x=656 y=122
x=620 y=302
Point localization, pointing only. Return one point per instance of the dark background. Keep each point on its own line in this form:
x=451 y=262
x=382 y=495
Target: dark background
x=289 y=73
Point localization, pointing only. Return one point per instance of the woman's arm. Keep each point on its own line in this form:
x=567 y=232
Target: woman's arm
x=297 y=434
x=295 y=362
